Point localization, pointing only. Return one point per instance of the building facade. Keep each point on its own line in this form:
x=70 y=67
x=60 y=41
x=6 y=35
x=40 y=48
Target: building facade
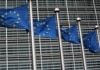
x=15 y=44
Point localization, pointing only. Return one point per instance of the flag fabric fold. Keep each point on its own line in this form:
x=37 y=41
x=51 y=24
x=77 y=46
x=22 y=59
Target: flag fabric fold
x=70 y=34
x=91 y=42
x=45 y=27
x=15 y=17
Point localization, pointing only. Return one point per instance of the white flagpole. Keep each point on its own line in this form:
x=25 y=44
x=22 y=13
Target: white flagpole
x=60 y=40
x=32 y=37
x=97 y=22
x=81 y=39
x=96 y=28
x=6 y=44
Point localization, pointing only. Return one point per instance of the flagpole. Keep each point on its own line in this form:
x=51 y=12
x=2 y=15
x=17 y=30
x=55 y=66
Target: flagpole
x=81 y=40
x=96 y=28
x=6 y=45
x=97 y=22
x=60 y=40
x=32 y=37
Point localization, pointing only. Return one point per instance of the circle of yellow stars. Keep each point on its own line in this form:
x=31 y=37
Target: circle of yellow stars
x=88 y=40
x=68 y=33
x=11 y=12
x=46 y=31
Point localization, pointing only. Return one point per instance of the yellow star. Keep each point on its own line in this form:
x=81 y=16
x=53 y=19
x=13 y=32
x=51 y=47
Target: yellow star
x=14 y=25
x=47 y=32
x=88 y=39
x=17 y=22
x=43 y=34
x=48 y=28
x=18 y=18
x=17 y=15
x=40 y=23
x=10 y=12
x=2 y=16
x=69 y=33
x=6 y=13
x=43 y=23
x=14 y=12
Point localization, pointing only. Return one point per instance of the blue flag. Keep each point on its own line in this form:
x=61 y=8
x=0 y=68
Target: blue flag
x=70 y=34
x=45 y=27
x=91 y=42
x=15 y=17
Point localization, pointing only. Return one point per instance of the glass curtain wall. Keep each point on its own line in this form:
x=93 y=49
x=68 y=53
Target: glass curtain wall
x=15 y=44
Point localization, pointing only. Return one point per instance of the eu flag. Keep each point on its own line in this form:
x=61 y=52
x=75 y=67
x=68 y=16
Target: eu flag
x=70 y=34
x=45 y=27
x=91 y=42
x=15 y=17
